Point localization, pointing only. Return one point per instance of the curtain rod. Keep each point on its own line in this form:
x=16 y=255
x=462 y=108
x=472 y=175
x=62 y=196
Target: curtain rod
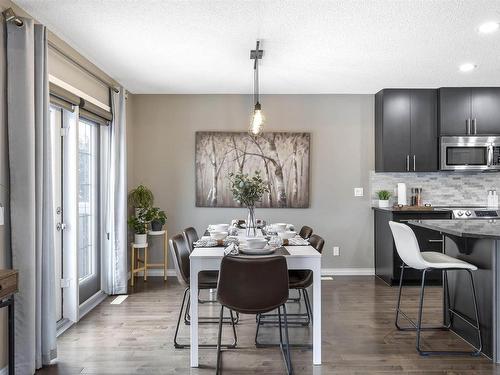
x=80 y=66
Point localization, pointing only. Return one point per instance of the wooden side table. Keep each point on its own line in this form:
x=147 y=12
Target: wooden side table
x=9 y=286
x=134 y=251
x=165 y=252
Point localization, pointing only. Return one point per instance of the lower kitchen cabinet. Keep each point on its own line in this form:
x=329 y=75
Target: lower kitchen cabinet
x=387 y=261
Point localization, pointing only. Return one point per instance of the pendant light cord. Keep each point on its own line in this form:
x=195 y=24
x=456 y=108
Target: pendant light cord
x=256 y=75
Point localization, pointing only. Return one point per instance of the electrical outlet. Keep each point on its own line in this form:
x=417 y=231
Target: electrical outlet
x=358 y=192
x=336 y=251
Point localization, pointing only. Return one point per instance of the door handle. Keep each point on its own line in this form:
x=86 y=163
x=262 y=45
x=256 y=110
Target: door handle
x=474 y=126
x=407 y=163
x=414 y=163
x=61 y=226
x=490 y=156
x=467 y=126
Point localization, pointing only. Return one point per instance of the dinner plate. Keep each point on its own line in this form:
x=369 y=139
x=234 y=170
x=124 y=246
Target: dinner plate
x=265 y=251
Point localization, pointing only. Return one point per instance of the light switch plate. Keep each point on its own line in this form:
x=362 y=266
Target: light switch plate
x=2 y=218
x=336 y=251
x=358 y=192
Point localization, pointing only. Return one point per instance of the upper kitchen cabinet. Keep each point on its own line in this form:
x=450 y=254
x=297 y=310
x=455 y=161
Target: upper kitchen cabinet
x=469 y=111
x=406 y=137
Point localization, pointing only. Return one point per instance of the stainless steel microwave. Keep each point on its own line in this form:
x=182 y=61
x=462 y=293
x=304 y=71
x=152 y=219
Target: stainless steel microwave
x=471 y=153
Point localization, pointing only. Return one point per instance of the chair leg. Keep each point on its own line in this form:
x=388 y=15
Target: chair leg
x=285 y=345
x=182 y=346
x=176 y=344
x=476 y=312
x=295 y=299
x=219 y=338
x=307 y=302
x=400 y=290
x=420 y=308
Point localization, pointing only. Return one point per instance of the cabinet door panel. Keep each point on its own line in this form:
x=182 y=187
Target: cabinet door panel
x=424 y=138
x=396 y=133
x=486 y=110
x=454 y=110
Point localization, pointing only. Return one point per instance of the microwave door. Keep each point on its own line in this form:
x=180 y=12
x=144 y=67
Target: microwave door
x=459 y=157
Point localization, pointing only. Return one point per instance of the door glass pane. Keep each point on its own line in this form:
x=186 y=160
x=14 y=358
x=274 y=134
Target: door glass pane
x=88 y=199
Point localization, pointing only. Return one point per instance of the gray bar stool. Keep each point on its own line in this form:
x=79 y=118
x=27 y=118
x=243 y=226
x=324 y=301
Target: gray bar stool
x=409 y=251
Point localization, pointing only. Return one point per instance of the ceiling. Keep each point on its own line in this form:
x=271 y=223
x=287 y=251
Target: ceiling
x=310 y=47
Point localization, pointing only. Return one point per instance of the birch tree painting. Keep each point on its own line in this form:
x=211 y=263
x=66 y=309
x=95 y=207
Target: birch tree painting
x=282 y=159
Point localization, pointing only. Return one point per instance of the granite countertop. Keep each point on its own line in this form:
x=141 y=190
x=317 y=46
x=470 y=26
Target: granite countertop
x=463 y=228
x=409 y=209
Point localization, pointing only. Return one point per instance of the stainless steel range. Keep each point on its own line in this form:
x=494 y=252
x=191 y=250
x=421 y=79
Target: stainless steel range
x=468 y=213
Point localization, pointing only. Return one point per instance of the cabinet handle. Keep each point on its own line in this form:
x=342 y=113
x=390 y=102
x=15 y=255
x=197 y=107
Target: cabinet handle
x=474 y=125
x=414 y=163
x=436 y=241
x=407 y=163
x=467 y=125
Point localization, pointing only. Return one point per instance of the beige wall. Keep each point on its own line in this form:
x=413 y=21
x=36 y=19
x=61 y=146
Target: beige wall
x=342 y=154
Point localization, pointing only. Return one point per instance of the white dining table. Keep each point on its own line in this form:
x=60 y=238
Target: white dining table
x=300 y=258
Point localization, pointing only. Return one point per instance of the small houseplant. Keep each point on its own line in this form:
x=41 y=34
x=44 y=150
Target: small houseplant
x=139 y=226
x=157 y=217
x=248 y=190
x=140 y=197
x=383 y=198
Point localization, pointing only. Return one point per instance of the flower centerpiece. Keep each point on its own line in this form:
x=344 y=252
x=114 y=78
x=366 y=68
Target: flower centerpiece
x=248 y=190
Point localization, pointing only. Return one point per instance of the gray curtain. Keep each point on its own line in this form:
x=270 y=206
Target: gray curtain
x=115 y=257
x=31 y=197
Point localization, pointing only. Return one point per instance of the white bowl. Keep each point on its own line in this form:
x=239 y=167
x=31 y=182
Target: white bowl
x=220 y=227
x=218 y=235
x=256 y=243
x=280 y=227
x=287 y=234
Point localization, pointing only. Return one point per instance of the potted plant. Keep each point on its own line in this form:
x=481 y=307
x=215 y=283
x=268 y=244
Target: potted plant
x=157 y=218
x=383 y=198
x=140 y=197
x=139 y=226
x=247 y=190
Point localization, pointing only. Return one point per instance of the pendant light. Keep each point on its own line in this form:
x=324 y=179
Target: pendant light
x=257 y=124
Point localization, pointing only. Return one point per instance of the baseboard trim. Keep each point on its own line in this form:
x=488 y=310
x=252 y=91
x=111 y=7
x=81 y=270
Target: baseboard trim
x=4 y=371
x=324 y=272
x=348 y=271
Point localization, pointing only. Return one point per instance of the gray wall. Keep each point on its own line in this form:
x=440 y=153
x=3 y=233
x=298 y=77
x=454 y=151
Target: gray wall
x=161 y=151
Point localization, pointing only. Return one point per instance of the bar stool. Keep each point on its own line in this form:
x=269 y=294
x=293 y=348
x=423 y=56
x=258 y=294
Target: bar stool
x=409 y=251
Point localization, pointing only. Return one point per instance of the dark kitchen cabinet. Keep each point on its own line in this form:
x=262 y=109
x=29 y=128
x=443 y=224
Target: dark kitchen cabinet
x=387 y=261
x=406 y=130
x=469 y=111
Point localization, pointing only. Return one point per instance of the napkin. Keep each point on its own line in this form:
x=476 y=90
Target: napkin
x=232 y=249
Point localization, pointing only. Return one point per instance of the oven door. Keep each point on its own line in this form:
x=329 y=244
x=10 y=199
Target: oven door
x=465 y=153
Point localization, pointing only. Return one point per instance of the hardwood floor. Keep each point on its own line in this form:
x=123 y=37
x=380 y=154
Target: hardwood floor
x=358 y=336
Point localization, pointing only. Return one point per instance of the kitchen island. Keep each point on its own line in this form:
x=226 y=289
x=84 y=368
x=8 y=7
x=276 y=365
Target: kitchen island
x=476 y=242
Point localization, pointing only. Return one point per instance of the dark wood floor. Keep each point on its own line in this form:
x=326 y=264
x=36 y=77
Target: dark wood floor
x=358 y=337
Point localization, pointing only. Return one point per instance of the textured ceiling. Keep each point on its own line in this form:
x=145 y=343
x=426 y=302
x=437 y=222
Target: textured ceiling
x=343 y=46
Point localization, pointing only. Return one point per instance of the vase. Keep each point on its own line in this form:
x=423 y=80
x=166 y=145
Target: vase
x=251 y=223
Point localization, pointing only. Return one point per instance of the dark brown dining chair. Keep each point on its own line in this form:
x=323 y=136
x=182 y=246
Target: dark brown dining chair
x=254 y=285
x=180 y=254
x=305 y=232
x=299 y=280
x=191 y=236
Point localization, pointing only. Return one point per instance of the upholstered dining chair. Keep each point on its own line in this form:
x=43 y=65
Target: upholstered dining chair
x=299 y=280
x=305 y=232
x=254 y=285
x=409 y=252
x=191 y=236
x=180 y=255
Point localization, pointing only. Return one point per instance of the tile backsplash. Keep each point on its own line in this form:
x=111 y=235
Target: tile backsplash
x=439 y=188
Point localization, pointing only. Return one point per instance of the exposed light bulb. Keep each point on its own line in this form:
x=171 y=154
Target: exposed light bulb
x=257 y=120
x=467 y=67
x=488 y=27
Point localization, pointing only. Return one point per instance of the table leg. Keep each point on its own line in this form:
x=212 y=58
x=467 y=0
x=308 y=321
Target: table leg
x=194 y=312
x=145 y=263
x=317 y=313
x=165 y=255
x=12 y=334
x=132 y=265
